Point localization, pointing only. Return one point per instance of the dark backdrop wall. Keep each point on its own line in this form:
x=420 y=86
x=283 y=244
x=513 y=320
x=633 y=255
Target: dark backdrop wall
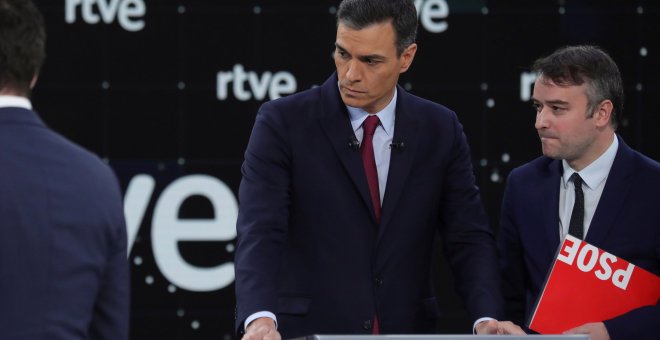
x=167 y=91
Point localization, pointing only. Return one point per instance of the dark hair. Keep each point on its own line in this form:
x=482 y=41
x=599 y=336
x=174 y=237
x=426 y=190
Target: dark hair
x=576 y=65
x=22 y=44
x=358 y=14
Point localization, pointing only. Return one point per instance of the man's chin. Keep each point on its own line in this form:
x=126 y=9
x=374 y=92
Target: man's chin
x=551 y=154
x=350 y=101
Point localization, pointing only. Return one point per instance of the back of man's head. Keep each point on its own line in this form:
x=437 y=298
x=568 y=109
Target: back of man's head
x=358 y=14
x=22 y=45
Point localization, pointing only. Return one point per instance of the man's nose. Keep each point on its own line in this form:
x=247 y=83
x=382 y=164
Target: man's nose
x=353 y=71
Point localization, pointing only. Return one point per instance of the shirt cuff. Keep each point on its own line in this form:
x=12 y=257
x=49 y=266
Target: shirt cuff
x=262 y=314
x=474 y=326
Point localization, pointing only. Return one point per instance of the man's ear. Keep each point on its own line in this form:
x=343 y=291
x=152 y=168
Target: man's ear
x=407 y=57
x=34 y=81
x=603 y=113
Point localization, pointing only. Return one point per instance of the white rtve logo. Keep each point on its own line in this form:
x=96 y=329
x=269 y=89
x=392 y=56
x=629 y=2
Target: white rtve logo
x=246 y=85
x=167 y=229
x=129 y=13
x=527 y=80
x=432 y=13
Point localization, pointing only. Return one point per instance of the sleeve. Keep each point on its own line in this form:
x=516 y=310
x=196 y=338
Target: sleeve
x=468 y=241
x=641 y=323
x=511 y=258
x=111 y=313
x=262 y=225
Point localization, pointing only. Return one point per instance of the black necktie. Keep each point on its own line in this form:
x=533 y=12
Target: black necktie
x=576 y=227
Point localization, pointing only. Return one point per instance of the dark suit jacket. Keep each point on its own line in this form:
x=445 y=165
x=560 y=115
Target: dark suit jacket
x=309 y=248
x=63 y=267
x=626 y=223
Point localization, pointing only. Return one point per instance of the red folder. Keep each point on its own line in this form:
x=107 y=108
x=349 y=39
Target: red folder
x=587 y=284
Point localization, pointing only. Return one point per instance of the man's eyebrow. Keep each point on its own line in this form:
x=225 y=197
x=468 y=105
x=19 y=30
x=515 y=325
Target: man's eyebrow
x=557 y=102
x=362 y=57
x=550 y=102
x=371 y=57
x=339 y=47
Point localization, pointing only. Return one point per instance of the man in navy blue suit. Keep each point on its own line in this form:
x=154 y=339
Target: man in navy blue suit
x=578 y=98
x=332 y=241
x=63 y=267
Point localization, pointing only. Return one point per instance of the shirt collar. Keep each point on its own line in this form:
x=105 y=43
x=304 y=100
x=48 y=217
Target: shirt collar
x=386 y=116
x=597 y=171
x=15 y=101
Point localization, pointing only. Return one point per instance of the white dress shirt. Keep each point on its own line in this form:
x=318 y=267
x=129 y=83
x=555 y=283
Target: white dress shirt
x=15 y=101
x=594 y=177
x=382 y=137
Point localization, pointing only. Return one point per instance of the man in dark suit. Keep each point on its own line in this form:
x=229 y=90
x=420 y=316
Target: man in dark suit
x=317 y=251
x=63 y=267
x=578 y=97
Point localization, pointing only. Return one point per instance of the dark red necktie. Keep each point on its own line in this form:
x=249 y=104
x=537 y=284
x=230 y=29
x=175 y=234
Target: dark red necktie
x=367 y=151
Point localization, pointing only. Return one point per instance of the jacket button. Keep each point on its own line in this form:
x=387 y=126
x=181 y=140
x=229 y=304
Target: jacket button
x=367 y=325
x=378 y=282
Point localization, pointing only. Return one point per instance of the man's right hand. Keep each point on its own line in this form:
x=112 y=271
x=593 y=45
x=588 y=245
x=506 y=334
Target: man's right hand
x=498 y=327
x=262 y=329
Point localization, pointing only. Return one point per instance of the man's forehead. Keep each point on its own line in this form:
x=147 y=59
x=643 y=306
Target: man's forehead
x=373 y=39
x=552 y=92
x=557 y=81
x=352 y=26
x=384 y=27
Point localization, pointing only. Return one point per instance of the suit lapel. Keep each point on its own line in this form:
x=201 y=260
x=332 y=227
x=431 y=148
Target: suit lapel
x=337 y=128
x=405 y=131
x=548 y=192
x=614 y=194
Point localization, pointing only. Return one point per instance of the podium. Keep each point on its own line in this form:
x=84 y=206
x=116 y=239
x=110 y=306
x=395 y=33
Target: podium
x=444 y=337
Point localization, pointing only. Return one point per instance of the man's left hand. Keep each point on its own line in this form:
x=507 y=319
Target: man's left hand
x=596 y=331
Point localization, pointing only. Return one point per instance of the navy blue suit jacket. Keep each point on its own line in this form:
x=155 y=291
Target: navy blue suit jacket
x=309 y=248
x=626 y=223
x=63 y=267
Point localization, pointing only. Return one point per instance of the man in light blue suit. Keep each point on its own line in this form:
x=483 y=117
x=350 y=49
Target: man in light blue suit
x=63 y=267
x=578 y=97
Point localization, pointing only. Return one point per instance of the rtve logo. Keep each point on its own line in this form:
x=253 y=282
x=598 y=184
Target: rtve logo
x=168 y=229
x=273 y=84
x=432 y=13
x=129 y=13
x=527 y=80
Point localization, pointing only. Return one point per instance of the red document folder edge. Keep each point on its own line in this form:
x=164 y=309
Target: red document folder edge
x=587 y=284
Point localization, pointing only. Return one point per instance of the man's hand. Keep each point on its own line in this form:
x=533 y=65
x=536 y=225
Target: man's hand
x=262 y=329
x=498 y=327
x=596 y=331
